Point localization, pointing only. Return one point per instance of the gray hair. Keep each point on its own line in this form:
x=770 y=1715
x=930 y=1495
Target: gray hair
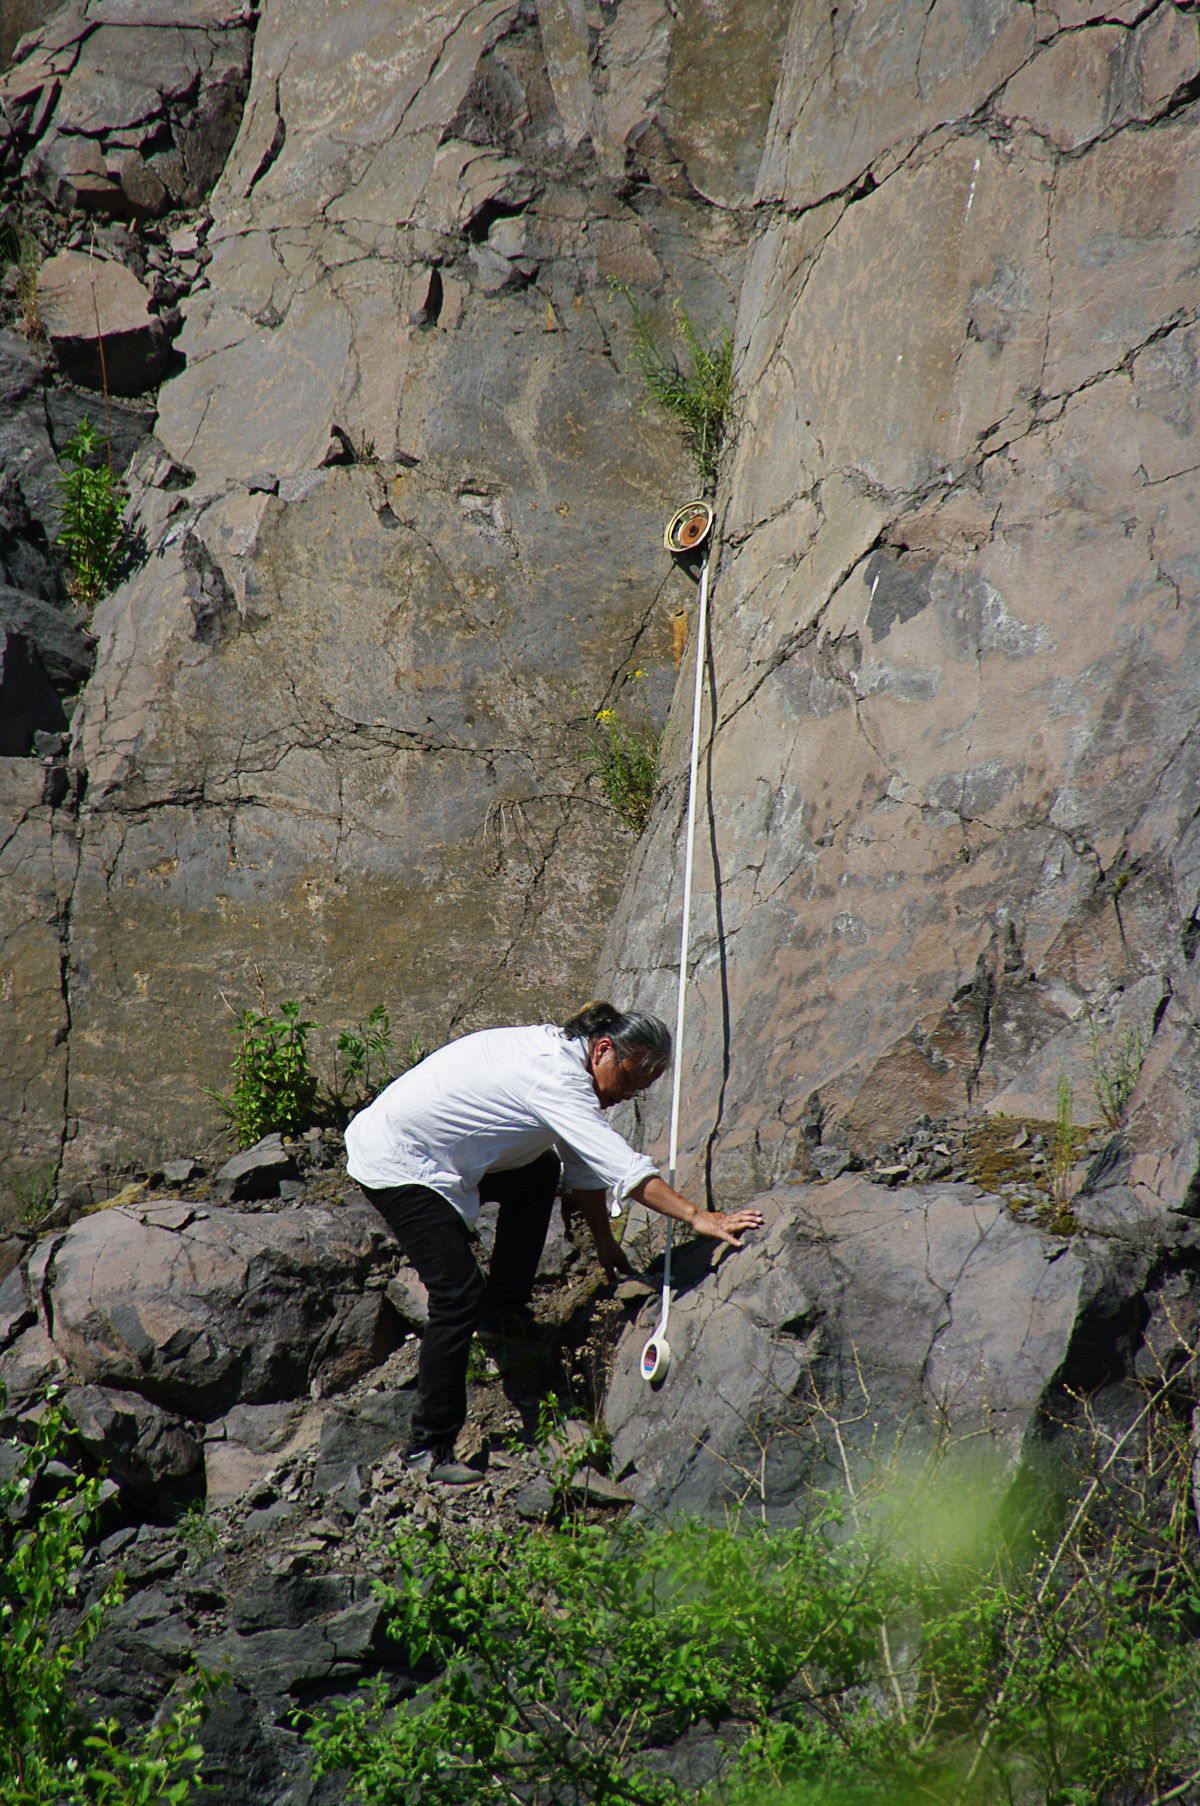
x=635 y=1035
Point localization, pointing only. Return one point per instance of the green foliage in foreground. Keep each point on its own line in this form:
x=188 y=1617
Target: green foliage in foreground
x=92 y=507
x=51 y=1753
x=833 y=1672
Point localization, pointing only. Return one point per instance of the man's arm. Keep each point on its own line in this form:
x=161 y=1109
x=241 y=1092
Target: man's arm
x=721 y=1225
x=593 y=1208
x=656 y=1194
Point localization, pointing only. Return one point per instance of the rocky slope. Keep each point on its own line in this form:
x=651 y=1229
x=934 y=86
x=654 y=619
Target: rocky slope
x=402 y=537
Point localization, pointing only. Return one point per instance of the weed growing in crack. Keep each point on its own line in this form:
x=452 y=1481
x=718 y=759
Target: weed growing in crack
x=624 y=758
x=693 y=383
x=198 y=1531
x=1115 y=1069
x=35 y=1197
x=364 y=1063
x=22 y=249
x=92 y=527
x=1062 y=1146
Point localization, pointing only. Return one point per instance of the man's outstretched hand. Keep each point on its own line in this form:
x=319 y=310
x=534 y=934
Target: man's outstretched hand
x=721 y=1225
x=726 y=1226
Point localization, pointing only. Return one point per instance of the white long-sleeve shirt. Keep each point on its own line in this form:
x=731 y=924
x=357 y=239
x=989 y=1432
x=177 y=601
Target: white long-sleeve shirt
x=488 y=1103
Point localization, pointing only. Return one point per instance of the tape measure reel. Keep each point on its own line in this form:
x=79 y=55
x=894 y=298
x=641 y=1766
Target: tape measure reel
x=656 y=1359
x=689 y=527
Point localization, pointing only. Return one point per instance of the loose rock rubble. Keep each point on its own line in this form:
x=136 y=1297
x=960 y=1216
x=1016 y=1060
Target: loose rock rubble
x=250 y=1505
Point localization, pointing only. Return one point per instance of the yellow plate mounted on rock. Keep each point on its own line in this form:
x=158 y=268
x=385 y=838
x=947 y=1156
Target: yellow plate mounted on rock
x=689 y=528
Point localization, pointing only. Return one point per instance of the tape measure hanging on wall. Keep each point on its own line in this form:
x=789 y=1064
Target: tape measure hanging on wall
x=689 y=528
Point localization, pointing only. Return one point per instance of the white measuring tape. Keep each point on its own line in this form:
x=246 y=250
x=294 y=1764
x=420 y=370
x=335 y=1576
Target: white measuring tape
x=656 y=1356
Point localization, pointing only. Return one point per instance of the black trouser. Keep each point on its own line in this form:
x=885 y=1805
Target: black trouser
x=438 y=1244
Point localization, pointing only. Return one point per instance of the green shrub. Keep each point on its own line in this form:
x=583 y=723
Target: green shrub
x=274 y=1085
x=696 y=388
x=625 y=760
x=364 y=1063
x=92 y=504
x=51 y=1752
x=561 y=1657
x=917 y=1653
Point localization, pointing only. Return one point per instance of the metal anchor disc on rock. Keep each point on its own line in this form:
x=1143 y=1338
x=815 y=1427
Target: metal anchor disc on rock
x=689 y=527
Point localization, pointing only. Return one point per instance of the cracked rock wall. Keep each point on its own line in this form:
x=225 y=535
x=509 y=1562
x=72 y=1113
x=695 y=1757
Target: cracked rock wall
x=402 y=530
x=950 y=785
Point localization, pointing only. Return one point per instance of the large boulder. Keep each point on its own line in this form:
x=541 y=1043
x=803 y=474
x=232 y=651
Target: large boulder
x=864 y=1329
x=196 y=1308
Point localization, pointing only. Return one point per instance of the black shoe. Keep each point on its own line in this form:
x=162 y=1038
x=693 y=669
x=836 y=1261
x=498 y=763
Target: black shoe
x=439 y=1464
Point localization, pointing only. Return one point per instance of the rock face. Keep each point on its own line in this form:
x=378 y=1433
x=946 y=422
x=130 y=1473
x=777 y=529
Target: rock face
x=131 y=105
x=404 y=538
x=950 y=785
x=864 y=1327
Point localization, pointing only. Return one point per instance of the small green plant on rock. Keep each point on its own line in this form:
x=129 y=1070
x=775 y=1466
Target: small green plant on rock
x=199 y=1531
x=568 y=1446
x=1115 y=1067
x=92 y=505
x=274 y=1085
x=694 y=382
x=35 y=1195
x=625 y=759
x=362 y=1062
x=1062 y=1148
x=21 y=249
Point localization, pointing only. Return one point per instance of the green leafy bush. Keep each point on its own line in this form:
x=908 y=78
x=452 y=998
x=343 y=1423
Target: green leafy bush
x=92 y=504
x=51 y=1752
x=625 y=760
x=562 y=1657
x=695 y=387
x=918 y=1652
x=274 y=1085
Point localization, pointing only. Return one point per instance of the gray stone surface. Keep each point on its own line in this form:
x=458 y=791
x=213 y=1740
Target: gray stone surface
x=336 y=728
x=97 y=317
x=863 y=1327
x=99 y=80
x=257 y=1172
x=197 y=1307
x=954 y=643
